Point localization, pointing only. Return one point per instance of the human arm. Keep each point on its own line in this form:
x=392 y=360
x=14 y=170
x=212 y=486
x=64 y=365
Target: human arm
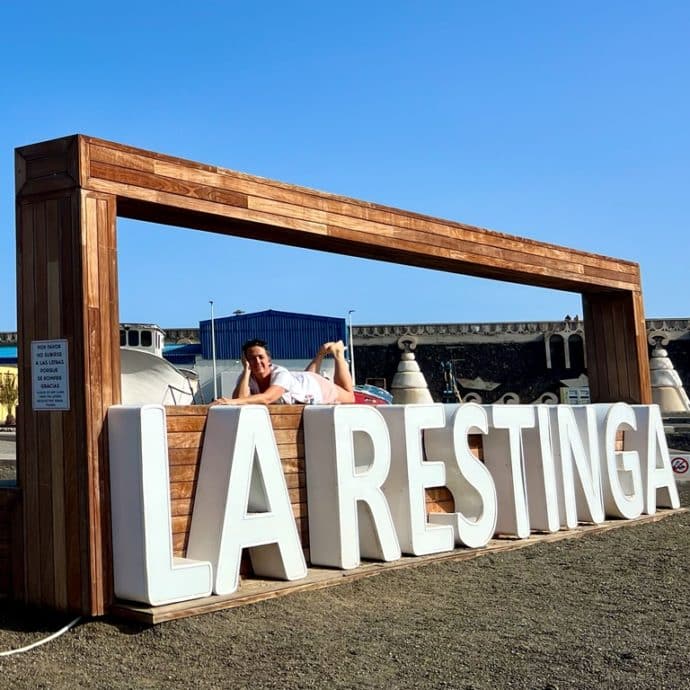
x=280 y=383
x=270 y=395
x=242 y=388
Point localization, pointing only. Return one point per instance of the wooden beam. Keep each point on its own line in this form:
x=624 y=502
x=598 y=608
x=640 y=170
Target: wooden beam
x=151 y=186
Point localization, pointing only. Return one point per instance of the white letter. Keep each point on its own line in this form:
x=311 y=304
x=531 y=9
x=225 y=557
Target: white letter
x=650 y=442
x=144 y=568
x=582 y=500
x=621 y=476
x=503 y=458
x=467 y=479
x=410 y=475
x=540 y=474
x=242 y=501
x=348 y=454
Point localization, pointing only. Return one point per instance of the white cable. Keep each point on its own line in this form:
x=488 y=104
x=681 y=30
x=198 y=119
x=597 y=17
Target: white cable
x=43 y=641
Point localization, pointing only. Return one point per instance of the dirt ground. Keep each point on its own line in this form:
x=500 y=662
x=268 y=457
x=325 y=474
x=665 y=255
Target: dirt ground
x=602 y=611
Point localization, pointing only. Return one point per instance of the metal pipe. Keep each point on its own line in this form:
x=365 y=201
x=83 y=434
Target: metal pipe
x=213 y=352
x=351 y=346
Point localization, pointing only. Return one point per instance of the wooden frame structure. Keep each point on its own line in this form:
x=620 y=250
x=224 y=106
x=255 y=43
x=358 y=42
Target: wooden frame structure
x=70 y=192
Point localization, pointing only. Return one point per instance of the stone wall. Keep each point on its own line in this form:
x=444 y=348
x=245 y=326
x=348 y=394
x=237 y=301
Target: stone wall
x=516 y=367
x=528 y=359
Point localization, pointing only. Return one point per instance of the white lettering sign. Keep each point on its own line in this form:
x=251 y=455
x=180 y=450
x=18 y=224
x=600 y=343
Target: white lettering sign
x=49 y=375
x=367 y=470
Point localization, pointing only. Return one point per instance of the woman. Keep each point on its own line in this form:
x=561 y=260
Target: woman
x=263 y=382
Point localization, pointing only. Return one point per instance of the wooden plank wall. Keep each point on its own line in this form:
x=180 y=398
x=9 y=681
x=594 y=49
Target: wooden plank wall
x=186 y=426
x=185 y=440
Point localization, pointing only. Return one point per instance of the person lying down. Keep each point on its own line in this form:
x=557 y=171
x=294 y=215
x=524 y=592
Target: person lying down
x=262 y=382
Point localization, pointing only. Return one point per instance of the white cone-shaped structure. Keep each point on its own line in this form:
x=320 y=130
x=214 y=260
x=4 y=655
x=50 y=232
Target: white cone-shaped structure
x=667 y=387
x=409 y=384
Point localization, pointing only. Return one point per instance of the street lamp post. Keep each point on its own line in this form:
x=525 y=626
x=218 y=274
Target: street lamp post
x=213 y=352
x=351 y=345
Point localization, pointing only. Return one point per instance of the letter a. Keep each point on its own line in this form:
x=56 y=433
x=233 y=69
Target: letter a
x=657 y=474
x=242 y=500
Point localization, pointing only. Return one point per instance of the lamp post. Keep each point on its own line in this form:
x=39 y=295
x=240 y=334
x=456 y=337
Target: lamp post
x=213 y=352
x=351 y=345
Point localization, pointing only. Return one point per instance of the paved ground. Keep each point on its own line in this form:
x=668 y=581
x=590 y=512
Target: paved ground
x=8 y=454
x=8 y=440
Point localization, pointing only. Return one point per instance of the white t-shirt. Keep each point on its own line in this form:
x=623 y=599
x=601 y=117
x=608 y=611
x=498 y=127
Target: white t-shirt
x=300 y=386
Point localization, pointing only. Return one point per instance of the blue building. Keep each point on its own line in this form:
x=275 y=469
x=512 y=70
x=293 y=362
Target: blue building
x=289 y=335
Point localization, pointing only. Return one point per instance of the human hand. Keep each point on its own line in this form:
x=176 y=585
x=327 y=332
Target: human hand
x=223 y=401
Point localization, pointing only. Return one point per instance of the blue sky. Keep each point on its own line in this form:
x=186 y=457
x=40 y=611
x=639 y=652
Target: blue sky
x=559 y=121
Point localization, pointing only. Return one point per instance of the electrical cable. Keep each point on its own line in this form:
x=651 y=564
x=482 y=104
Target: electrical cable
x=43 y=641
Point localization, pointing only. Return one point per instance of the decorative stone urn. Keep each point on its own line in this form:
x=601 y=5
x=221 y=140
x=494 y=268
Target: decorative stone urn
x=667 y=387
x=409 y=385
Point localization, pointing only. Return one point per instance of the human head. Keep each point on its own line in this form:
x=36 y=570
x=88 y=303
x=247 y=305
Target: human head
x=257 y=355
x=256 y=342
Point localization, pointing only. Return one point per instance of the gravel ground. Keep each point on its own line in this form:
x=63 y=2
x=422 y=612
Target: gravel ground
x=602 y=611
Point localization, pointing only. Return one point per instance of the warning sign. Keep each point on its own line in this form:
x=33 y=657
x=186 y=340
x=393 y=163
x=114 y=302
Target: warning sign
x=681 y=465
x=49 y=375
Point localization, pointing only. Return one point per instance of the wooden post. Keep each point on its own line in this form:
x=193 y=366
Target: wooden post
x=67 y=279
x=617 y=351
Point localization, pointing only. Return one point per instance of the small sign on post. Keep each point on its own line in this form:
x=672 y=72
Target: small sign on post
x=49 y=375
x=680 y=462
